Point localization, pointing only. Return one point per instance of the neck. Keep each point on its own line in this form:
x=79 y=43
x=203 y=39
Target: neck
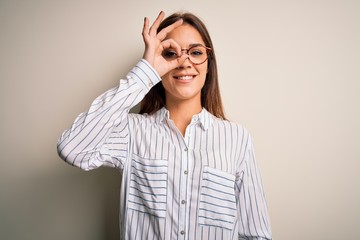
x=182 y=112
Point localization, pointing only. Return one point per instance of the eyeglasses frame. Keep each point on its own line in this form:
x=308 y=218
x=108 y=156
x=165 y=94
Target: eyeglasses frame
x=208 y=50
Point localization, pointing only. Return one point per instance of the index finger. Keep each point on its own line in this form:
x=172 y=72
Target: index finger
x=162 y=34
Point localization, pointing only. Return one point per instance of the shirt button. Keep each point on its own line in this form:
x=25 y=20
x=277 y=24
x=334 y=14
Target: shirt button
x=183 y=202
x=185 y=172
x=182 y=232
x=185 y=149
x=150 y=85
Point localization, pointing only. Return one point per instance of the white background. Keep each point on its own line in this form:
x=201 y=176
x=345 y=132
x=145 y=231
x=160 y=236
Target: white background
x=289 y=71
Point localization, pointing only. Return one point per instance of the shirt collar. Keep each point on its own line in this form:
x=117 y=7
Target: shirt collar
x=204 y=117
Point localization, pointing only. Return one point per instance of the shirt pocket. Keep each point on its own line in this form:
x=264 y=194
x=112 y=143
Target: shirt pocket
x=148 y=186
x=217 y=206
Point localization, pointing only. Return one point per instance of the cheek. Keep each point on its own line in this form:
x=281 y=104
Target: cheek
x=165 y=78
x=203 y=72
x=203 y=68
x=166 y=82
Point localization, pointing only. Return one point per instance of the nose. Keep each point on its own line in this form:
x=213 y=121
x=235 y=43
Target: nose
x=186 y=63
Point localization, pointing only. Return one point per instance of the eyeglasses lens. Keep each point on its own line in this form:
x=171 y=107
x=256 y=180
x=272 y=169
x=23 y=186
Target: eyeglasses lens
x=197 y=54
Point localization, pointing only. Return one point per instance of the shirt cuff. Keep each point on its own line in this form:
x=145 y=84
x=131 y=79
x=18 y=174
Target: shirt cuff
x=144 y=73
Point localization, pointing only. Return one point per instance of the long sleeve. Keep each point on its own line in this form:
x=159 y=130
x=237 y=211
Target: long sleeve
x=251 y=203
x=86 y=143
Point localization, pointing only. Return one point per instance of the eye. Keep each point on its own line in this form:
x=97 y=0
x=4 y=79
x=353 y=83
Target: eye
x=169 y=54
x=196 y=52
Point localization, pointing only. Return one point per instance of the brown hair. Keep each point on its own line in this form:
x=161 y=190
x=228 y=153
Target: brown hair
x=210 y=93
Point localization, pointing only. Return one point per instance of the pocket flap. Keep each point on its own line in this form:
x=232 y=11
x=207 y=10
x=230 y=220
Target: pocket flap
x=217 y=205
x=148 y=186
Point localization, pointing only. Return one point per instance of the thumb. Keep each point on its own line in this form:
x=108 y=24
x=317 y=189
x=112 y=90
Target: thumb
x=181 y=59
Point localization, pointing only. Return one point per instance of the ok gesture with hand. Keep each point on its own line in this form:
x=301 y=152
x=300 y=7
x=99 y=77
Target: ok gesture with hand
x=156 y=43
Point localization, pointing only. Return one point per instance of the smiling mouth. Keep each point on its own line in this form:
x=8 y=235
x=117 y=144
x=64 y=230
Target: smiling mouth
x=188 y=77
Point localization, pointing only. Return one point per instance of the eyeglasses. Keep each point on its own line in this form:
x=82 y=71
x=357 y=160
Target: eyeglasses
x=198 y=54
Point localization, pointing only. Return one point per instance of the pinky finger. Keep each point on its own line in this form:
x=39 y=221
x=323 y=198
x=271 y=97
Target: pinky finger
x=145 y=31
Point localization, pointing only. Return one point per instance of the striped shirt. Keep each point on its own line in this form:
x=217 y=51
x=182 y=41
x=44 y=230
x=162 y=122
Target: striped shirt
x=203 y=185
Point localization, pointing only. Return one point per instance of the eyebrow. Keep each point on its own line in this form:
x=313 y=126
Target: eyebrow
x=195 y=45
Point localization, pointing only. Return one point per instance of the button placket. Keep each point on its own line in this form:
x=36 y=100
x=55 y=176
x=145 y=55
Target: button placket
x=183 y=187
x=187 y=163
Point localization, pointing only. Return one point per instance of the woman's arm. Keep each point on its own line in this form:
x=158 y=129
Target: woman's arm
x=251 y=204
x=84 y=145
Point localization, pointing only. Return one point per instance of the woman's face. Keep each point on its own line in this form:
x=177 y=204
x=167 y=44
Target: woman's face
x=186 y=81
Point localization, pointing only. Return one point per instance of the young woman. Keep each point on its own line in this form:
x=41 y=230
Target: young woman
x=187 y=173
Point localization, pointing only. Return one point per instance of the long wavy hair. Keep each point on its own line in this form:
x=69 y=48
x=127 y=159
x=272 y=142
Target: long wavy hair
x=210 y=93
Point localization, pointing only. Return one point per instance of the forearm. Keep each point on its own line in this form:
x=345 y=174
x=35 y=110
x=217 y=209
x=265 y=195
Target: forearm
x=82 y=143
x=251 y=202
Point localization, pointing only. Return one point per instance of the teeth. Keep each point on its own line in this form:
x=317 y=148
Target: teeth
x=185 y=77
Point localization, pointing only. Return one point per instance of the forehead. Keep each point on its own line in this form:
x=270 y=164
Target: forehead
x=185 y=35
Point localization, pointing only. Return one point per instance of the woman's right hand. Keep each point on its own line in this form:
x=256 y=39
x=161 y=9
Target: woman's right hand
x=156 y=43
